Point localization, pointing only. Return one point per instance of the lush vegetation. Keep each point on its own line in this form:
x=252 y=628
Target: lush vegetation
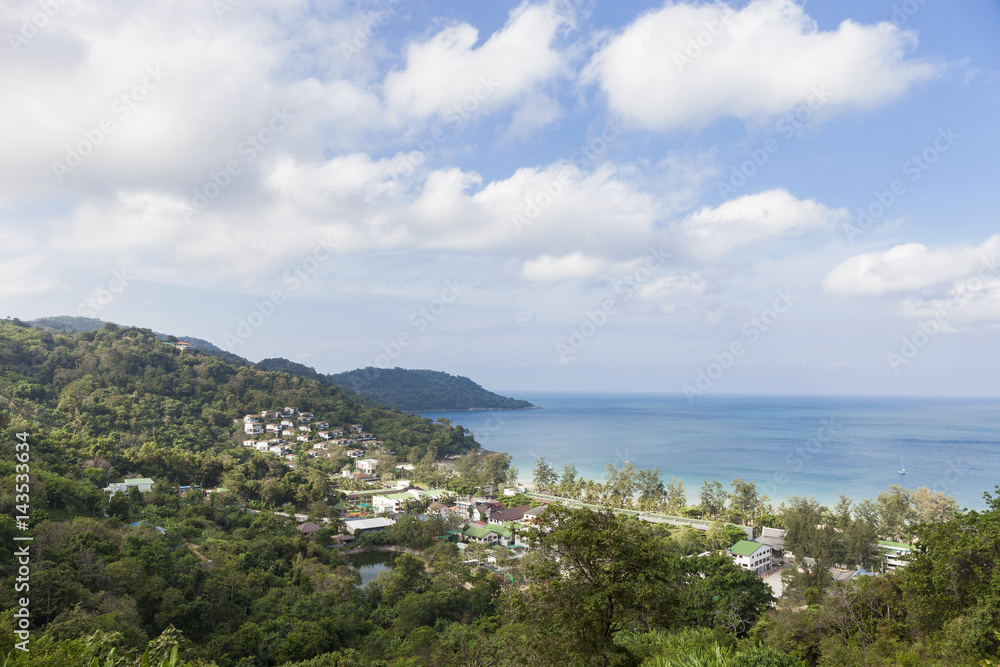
x=408 y=390
x=164 y=577
x=422 y=390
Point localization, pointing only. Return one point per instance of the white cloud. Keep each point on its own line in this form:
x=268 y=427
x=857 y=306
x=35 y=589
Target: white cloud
x=448 y=76
x=549 y=269
x=713 y=232
x=911 y=267
x=27 y=275
x=970 y=302
x=751 y=64
x=675 y=290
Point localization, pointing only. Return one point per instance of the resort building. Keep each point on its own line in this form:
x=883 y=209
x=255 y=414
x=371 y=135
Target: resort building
x=142 y=483
x=752 y=556
x=358 y=527
x=774 y=538
x=896 y=554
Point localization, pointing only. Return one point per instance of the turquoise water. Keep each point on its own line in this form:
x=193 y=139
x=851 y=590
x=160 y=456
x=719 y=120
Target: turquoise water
x=807 y=446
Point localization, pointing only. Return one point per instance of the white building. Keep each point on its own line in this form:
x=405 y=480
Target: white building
x=358 y=527
x=252 y=428
x=144 y=484
x=367 y=466
x=750 y=555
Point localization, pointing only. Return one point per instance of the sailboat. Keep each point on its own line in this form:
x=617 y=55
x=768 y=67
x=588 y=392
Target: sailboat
x=902 y=470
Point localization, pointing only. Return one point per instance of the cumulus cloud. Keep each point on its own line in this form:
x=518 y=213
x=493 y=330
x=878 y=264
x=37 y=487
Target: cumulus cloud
x=449 y=76
x=685 y=65
x=911 y=267
x=713 y=232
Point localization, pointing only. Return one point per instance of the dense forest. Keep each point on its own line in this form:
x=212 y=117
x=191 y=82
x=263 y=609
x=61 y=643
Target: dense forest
x=166 y=577
x=404 y=389
x=423 y=390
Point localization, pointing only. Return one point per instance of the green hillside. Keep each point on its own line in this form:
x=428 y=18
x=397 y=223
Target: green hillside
x=424 y=390
x=125 y=389
x=408 y=390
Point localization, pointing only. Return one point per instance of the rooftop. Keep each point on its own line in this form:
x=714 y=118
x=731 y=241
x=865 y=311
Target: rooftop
x=479 y=532
x=745 y=548
x=366 y=524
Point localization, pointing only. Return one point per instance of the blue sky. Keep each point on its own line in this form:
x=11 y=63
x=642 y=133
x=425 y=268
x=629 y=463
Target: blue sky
x=757 y=197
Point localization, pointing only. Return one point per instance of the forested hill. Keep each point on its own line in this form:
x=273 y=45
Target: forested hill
x=74 y=324
x=124 y=389
x=424 y=390
x=409 y=390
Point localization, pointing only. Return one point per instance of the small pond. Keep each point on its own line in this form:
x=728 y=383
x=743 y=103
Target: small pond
x=371 y=563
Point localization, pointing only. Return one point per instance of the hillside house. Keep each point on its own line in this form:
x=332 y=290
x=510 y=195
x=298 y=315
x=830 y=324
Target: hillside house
x=481 y=534
x=355 y=453
x=144 y=484
x=896 y=554
x=367 y=466
x=752 y=556
x=273 y=428
x=774 y=538
x=501 y=517
x=250 y=428
x=532 y=515
x=305 y=417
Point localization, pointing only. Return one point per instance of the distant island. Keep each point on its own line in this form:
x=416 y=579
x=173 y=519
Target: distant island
x=401 y=388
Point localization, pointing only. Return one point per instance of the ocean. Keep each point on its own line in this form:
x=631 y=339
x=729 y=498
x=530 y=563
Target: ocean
x=804 y=446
